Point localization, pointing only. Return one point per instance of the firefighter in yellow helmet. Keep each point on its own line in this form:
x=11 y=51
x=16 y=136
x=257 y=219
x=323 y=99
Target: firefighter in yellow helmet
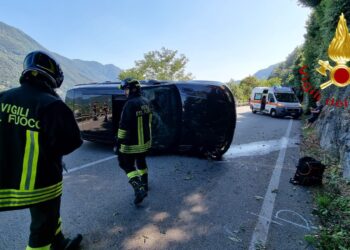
x=36 y=130
x=134 y=138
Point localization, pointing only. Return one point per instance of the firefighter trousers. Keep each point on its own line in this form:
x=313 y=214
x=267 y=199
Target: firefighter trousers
x=45 y=224
x=127 y=163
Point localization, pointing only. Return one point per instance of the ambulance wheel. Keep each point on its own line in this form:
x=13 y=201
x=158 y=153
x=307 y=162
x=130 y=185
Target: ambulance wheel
x=252 y=108
x=273 y=113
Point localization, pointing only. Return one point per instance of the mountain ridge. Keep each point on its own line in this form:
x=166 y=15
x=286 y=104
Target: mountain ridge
x=15 y=45
x=265 y=73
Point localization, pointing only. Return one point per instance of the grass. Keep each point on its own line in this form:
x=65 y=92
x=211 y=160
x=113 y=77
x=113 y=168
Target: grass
x=332 y=201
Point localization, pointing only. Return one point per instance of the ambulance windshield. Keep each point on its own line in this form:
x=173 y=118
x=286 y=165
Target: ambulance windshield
x=286 y=97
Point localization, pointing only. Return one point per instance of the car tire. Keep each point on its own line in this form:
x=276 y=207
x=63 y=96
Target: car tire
x=254 y=111
x=273 y=113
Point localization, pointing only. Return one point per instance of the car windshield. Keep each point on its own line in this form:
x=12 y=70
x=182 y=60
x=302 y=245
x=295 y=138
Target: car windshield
x=286 y=97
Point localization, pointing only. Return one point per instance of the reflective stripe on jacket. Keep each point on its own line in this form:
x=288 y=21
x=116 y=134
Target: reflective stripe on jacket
x=134 y=133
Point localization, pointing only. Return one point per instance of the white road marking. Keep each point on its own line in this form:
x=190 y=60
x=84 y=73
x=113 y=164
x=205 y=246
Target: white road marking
x=248 y=149
x=306 y=226
x=277 y=216
x=259 y=148
x=89 y=164
x=262 y=227
x=267 y=219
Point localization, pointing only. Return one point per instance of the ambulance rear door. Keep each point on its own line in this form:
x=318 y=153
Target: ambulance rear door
x=256 y=102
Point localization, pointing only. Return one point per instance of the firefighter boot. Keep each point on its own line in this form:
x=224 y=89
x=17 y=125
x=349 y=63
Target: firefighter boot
x=144 y=181
x=140 y=191
x=62 y=243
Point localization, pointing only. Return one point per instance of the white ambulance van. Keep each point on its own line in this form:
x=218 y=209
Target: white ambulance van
x=280 y=101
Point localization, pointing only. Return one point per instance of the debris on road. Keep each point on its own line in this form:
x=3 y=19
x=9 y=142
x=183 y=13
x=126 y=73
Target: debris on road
x=189 y=176
x=235 y=239
x=257 y=197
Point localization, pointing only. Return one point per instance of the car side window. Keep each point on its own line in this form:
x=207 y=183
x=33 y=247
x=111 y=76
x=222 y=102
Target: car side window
x=271 y=98
x=257 y=96
x=165 y=106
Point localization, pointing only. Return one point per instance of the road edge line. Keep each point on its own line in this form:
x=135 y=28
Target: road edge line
x=262 y=226
x=89 y=164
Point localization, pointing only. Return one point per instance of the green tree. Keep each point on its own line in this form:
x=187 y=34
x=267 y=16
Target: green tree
x=250 y=81
x=274 y=81
x=242 y=90
x=159 y=65
x=284 y=70
x=309 y=3
x=246 y=85
x=133 y=73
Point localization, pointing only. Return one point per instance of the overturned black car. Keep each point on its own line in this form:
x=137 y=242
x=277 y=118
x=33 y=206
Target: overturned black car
x=188 y=116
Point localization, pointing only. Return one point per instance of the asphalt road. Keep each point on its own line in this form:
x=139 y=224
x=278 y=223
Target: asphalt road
x=241 y=202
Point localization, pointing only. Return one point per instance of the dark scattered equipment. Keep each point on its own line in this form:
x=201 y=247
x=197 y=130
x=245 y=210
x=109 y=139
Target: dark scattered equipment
x=309 y=172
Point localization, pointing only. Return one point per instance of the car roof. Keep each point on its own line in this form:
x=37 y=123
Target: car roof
x=275 y=89
x=144 y=83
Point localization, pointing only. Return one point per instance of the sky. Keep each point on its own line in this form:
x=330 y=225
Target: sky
x=223 y=39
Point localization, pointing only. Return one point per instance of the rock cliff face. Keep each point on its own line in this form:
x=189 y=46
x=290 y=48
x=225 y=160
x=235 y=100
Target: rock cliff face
x=333 y=127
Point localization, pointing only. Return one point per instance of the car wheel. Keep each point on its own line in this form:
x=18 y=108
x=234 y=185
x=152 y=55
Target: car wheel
x=214 y=153
x=252 y=108
x=273 y=113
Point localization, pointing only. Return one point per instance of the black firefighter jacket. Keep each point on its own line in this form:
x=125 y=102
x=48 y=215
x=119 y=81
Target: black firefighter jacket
x=134 y=133
x=36 y=130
